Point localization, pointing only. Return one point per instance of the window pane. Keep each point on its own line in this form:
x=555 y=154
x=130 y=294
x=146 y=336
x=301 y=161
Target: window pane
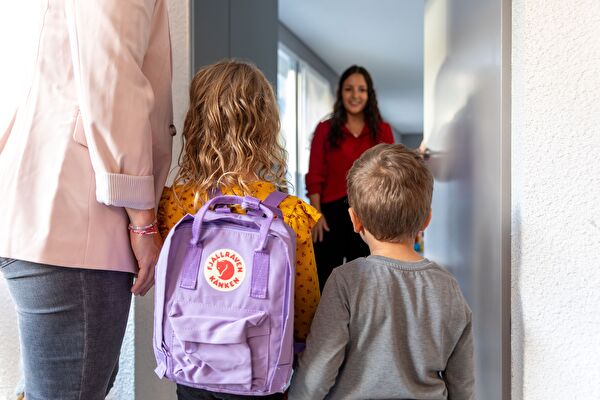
x=315 y=104
x=286 y=98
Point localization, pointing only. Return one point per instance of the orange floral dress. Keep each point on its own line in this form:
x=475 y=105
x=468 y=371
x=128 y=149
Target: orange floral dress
x=300 y=216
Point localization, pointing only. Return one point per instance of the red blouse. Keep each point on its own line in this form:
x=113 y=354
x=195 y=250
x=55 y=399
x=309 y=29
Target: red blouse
x=328 y=166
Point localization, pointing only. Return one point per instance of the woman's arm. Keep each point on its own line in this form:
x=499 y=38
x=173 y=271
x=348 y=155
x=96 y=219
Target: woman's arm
x=108 y=41
x=315 y=178
x=318 y=231
x=146 y=249
x=317 y=166
x=315 y=201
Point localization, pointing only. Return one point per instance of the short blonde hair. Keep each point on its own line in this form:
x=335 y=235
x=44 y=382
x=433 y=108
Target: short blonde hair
x=231 y=130
x=390 y=189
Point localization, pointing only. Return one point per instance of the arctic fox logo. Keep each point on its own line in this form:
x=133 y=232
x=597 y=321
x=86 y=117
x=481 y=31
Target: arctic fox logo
x=225 y=268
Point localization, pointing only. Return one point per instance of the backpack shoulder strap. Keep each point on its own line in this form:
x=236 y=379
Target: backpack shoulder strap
x=273 y=201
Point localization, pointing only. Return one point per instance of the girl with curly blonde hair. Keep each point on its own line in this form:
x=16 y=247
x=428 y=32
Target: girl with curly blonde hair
x=231 y=144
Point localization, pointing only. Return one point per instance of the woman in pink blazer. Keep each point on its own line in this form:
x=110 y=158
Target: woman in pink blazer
x=85 y=156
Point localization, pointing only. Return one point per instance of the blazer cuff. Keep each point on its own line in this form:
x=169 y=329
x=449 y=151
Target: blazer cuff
x=125 y=190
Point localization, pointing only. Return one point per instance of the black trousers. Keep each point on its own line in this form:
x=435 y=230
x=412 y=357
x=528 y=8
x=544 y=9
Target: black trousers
x=190 y=393
x=341 y=244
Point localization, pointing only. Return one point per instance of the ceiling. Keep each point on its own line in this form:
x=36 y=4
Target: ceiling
x=384 y=36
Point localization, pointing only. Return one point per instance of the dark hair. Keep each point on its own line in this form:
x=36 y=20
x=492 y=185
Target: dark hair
x=390 y=190
x=339 y=116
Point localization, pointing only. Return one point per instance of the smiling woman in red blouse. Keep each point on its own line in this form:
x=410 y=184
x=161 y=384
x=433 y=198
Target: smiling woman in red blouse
x=355 y=126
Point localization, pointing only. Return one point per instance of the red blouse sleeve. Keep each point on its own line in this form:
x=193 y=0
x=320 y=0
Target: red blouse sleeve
x=386 y=135
x=315 y=177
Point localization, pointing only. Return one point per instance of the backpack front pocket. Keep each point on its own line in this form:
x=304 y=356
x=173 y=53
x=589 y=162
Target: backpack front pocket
x=218 y=346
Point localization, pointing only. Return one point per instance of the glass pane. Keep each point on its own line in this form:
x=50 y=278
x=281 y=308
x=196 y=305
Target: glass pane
x=286 y=99
x=315 y=104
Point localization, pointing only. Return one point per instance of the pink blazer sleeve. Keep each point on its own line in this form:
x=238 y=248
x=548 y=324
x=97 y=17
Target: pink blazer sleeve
x=108 y=41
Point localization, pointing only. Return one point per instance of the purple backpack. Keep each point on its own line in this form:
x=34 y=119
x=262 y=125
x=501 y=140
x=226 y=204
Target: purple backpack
x=224 y=309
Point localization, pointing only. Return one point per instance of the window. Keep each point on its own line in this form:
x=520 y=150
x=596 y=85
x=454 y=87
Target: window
x=286 y=98
x=305 y=98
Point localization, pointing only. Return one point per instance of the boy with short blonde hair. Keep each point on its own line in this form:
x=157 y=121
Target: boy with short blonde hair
x=393 y=325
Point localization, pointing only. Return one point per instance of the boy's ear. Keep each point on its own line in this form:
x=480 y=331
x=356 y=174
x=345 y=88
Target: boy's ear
x=427 y=221
x=356 y=223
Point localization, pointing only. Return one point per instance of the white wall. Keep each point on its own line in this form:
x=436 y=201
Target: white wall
x=556 y=191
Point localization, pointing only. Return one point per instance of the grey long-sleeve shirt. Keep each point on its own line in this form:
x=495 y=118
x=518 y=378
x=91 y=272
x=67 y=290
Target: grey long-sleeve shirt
x=387 y=329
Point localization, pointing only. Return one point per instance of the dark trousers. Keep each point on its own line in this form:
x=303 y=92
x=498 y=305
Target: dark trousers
x=190 y=393
x=341 y=244
x=71 y=326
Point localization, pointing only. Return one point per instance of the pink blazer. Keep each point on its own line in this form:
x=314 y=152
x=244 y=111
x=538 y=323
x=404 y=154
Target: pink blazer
x=91 y=136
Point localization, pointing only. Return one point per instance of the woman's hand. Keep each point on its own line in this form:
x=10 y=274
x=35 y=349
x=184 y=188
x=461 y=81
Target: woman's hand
x=318 y=231
x=146 y=249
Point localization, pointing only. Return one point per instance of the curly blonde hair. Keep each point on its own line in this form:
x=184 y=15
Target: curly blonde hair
x=231 y=131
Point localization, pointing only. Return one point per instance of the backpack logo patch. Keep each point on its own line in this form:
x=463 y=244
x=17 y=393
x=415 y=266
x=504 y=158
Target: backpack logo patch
x=224 y=270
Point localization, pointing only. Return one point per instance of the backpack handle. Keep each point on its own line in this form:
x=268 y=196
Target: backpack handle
x=260 y=261
x=273 y=200
x=248 y=203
